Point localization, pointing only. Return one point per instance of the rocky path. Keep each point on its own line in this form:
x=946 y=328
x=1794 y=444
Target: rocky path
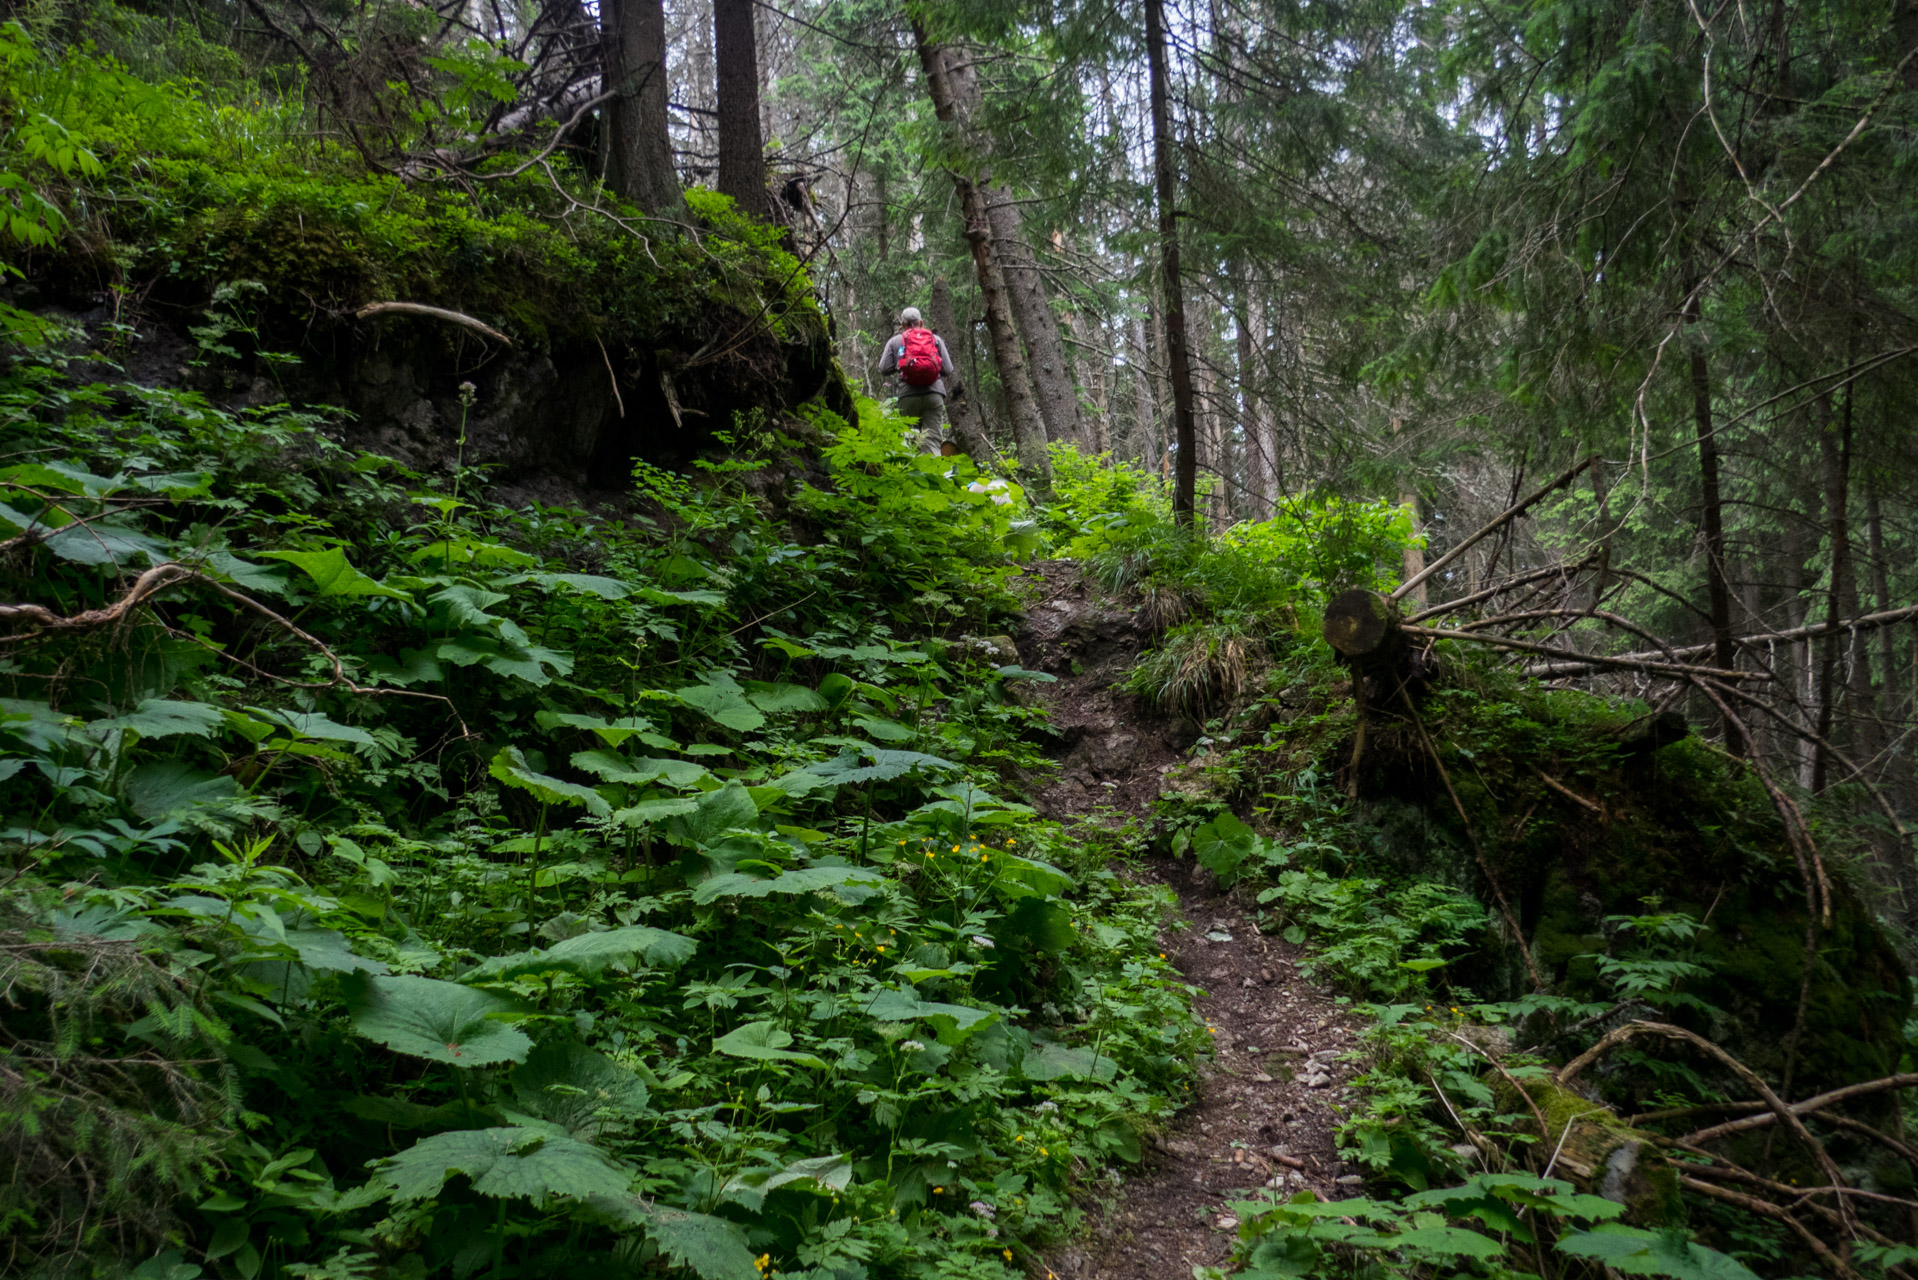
x=1263 y=1115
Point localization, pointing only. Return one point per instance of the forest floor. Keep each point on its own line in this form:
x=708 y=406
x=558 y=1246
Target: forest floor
x=1263 y=1113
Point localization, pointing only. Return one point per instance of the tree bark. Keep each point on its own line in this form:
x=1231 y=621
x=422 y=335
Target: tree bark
x=1051 y=371
x=638 y=156
x=742 y=152
x=1098 y=373
x=1028 y=428
x=1904 y=22
x=959 y=407
x=1046 y=364
x=1185 y=464
x=1717 y=581
x=1834 y=452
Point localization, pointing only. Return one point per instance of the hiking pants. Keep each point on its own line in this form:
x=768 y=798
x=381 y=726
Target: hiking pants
x=929 y=408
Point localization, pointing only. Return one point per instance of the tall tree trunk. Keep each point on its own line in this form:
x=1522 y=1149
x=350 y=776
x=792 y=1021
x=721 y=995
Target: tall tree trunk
x=1028 y=428
x=959 y=406
x=1051 y=371
x=1258 y=461
x=1717 y=580
x=1145 y=413
x=638 y=159
x=1185 y=464
x=742 y=152
x=1056 y=397
x=1413 y=557
x=1834 y=451
x=1098 y=380
x=1904 y=24
x=1894 y=701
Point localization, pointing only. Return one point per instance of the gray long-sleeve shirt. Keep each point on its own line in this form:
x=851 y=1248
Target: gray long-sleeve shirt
x=888 y=368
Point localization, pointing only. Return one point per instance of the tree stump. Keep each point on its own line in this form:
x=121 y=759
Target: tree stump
x=1364 y=627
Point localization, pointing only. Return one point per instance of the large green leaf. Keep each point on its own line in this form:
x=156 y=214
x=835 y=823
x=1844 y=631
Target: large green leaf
x=591 y=584
x=724 y=702
x=763 y=1042
x=1222 y=844
x=1020 y=877
x=1634 y=1251
x=1057 y=1062
x=101 y=542
x=316 y=725
x=165 y=718
x=590 y=954
x=164 y=787
x=614 y=767
x=567 y=1084
x=776 y=698
x=504 y=1163
x=610 y=732
x=952 y=1023
x=805 y=880
x=509 y=766
x=333 y=575
x=728 y=809
x=438 y=1021
x=713 y=1248
x=506 y=657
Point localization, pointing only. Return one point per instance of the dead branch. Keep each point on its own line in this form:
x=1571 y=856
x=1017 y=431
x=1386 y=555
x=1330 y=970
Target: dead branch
x=158 y=579
x=1807 y=1107
x=1507 y=516
x=1759 y=1205
x=435 y=313
x=155 y=579
x=1507 y=584
x=1812 y=631
x=1647 y=664
x=1568 y=793
x=1666 y=1031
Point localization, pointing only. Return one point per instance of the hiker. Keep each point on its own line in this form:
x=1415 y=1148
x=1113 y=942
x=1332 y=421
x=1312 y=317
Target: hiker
x=918 y=364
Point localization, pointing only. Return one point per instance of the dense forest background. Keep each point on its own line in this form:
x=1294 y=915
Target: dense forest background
x=513 y=760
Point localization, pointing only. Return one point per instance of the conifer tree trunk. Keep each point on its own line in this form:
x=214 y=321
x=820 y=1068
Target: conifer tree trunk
x=1054 y=394
x=638 y=155
x=1028 y=428
x=1052 y=381
x=742 y=152
x=1717 y=580
x=1185 y=463
x=1834 y=450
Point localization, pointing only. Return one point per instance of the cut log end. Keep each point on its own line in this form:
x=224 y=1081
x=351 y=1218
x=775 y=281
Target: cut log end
x=1361 y=623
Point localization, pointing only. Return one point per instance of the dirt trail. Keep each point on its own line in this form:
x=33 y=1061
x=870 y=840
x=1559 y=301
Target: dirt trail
x=1263 y=1112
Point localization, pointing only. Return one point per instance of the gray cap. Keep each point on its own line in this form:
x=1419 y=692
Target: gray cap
x=911 y=317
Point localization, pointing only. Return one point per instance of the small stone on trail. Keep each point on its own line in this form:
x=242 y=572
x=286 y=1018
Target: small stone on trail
x=1317 y=1082
x=1261 y=1078
x=1247 y=982
x=1265 y=975
x=1349 y=1180
x=1226 y=1222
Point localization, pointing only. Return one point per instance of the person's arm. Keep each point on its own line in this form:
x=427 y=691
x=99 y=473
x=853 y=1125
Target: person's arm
x=945 y=358
x=888 y=359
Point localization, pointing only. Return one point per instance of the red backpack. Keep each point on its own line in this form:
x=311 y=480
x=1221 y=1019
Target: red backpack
x=919 y=362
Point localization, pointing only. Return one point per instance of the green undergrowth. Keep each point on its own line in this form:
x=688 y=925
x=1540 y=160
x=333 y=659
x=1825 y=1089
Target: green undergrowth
x=412 y=885
x=157 y=191
x=1649 y=883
